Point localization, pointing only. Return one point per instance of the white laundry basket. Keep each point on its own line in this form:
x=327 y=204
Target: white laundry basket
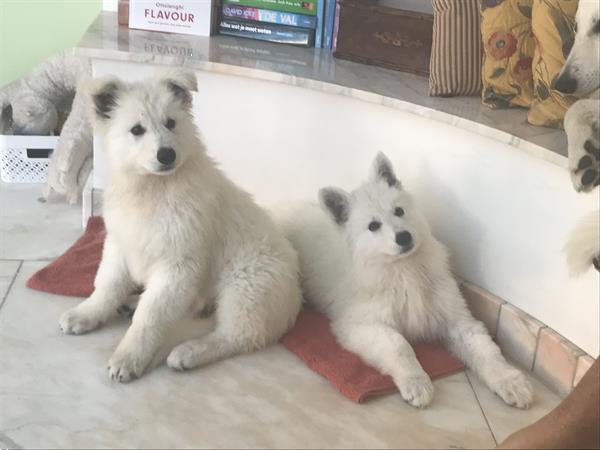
x=24 y=159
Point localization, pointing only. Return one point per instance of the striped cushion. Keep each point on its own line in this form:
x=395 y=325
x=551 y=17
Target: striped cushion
x=455 y=67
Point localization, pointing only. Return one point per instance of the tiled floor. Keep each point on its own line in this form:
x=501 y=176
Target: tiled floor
x=54 y=390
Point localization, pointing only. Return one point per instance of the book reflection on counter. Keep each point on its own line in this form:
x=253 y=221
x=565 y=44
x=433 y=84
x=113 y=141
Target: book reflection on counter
x=165 y=45
x=229 y=50
x=162 y=49
x=229 y=53
x=284 y=59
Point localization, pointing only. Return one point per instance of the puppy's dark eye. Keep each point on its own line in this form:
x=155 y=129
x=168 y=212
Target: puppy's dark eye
x=374 y=225
x=170 y=124
x=138 y=130
x=398 y=212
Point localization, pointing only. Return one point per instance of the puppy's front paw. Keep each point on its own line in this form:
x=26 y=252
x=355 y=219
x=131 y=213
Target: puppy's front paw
x=515 y=390
x=417 y=390
x=181 y=357
x=78 y=321
x=125 y=366
x=584 y=165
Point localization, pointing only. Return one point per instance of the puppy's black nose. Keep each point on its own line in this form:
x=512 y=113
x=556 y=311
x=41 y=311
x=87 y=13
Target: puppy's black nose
x=565 y=83
x=403 y=238
x=166 y=155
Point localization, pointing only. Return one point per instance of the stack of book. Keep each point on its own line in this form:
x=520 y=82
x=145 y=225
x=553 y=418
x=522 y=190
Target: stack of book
x=299 y=22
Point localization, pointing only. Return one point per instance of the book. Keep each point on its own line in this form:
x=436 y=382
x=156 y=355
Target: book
x=266 y=15
x=328 y=24
x=336 y=25
x=183 y=17
x=267 y=32
x=320 y=22
x=308 y=7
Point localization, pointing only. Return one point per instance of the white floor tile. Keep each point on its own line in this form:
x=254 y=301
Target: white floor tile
x=504 y=419
x=54 y=392
x=30 y=229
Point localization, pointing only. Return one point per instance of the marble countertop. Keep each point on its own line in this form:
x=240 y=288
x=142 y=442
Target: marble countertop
x=319 y=70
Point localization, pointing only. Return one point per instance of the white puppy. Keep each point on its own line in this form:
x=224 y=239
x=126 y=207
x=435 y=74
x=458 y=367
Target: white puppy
x=581 y=75
x=177 y=227
x=581 y=71
x=369 y=261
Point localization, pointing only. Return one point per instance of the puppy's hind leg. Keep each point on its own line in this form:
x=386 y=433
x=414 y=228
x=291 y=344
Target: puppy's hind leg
x=113 y=284
x=251 y=314
x=239 y=329
x=213 y=347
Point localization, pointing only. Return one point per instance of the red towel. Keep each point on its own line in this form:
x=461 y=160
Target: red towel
x=73 y=273
x=311 y=338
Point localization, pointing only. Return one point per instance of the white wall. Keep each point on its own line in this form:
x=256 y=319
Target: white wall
x=504 y=214
x=109 y=5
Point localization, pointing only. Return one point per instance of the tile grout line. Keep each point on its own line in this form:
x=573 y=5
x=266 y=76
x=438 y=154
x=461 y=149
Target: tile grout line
x=29 y=260
x=481 y=409
x=7 y=440
x=535 y=350
x=498 y=318
x=10 y=286
x=577 y=357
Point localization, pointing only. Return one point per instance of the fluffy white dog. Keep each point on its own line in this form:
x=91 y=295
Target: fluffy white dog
x=369 y=261
x=581 y=71
x=178 y=228
x=581 y=75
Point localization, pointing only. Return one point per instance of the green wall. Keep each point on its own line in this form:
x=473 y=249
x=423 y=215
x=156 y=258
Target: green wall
x=31 y=30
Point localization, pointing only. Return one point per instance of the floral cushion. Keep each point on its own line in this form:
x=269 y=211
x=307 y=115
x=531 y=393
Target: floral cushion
x=508 y=52
x=553 y=23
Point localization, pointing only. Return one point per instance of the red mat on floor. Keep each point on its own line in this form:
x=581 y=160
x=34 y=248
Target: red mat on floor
x=313 y=342
x=73 y=272
x=311 y=338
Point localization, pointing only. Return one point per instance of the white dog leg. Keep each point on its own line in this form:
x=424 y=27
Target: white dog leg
x=469 y=341
x=167 y=298
x=213 y=347
x=112 y=286
x=242 y=326
x=388 y=351
x=582 y=125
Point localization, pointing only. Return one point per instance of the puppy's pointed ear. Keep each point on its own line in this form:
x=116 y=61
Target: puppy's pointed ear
x=337 y=202
x=181 y=83
x=102 y=96
x=383 y=170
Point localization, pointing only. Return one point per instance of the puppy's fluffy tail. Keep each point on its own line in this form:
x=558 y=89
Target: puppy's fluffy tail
x=583 y=246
